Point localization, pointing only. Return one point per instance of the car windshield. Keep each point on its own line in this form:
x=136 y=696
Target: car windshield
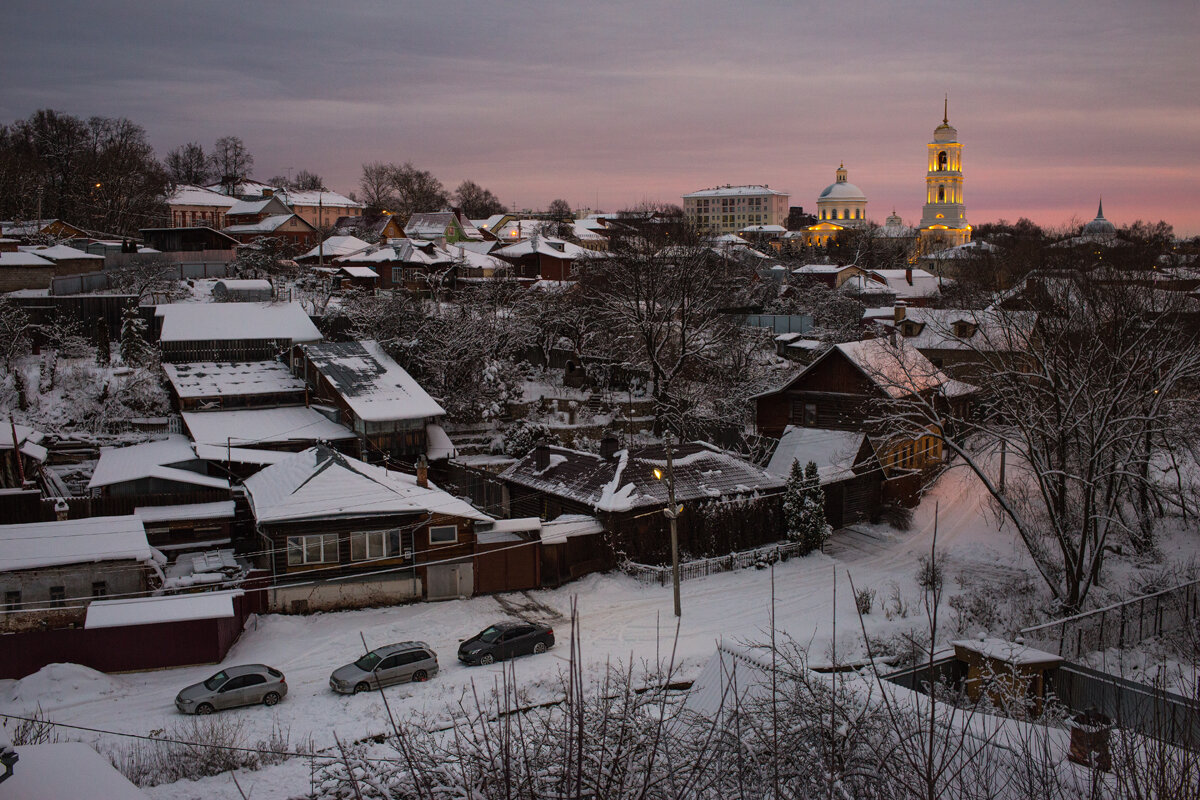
x=216 y=680
x=368 y=662
x=491 y=634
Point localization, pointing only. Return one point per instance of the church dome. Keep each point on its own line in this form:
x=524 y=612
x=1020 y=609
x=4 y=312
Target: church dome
x=842 y=191
x=1100 y=226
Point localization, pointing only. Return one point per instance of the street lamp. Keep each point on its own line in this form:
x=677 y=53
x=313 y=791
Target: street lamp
x=672 y=513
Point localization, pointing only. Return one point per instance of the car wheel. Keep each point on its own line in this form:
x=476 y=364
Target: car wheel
x=271 y=698
x=204 y=708
x=487 y=658
x=540 y=647
x=361 y=687
x=420 y=676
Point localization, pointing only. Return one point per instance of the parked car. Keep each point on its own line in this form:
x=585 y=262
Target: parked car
x=505 y=640
x=393 y=663
x=244 y=685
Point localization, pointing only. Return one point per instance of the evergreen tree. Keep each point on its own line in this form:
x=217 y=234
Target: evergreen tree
x=816 y=529
x=135 y=350
x=793 y=504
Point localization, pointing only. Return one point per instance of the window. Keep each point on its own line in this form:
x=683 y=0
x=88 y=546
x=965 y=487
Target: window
x=373 y=544
x=57 y=595
x=318 y=549
x=12 y=600
x=810 y=415
x=100 y=589
x=391 y=662
x=240 y=682
x=443 y=534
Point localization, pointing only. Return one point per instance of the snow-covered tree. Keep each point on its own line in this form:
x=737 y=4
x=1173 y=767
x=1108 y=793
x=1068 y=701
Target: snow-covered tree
x=15 y=330
x=804 y=508
x=135 y=350
x=103 y=342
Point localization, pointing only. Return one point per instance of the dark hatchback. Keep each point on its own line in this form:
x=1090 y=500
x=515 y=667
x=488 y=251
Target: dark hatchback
x=505 y=640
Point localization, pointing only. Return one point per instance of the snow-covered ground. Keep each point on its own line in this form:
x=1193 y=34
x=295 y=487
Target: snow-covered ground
x=620 y=620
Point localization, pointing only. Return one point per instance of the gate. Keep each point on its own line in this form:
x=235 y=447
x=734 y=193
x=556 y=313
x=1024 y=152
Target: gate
x=449 y=581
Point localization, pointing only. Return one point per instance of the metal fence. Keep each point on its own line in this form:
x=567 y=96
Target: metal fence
x=1134 y=706
x=1118 y=625
x=649 y=573
x=780 y=323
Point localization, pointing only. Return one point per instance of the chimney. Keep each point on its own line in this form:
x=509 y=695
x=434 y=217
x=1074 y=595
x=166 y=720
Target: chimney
x=422 y=473
x=609 y=446
x=541 y=457
x=908 y=275
x=899 y=310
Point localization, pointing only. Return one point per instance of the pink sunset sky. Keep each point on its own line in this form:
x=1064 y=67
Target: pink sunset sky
x=610 y=104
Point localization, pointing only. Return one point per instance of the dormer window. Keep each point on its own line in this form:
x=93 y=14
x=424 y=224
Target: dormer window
x=963 y=329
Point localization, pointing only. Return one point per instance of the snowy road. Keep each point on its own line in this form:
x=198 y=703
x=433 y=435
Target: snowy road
x=620 y=619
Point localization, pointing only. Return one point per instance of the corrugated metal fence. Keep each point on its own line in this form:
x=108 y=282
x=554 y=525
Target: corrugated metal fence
x=1118 y=625
x=1133 y=706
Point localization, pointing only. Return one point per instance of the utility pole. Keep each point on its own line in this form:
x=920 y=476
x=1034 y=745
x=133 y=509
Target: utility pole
x=672 y=513
x=320 y=237
x=1003 y=456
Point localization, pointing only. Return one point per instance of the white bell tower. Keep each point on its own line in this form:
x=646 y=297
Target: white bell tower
x=944 y=217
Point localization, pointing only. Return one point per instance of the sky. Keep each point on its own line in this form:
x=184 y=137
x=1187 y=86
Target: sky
x=610 y=104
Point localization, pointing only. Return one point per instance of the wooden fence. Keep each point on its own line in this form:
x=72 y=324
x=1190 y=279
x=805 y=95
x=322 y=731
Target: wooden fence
x=649 y=573
x=1118 y=625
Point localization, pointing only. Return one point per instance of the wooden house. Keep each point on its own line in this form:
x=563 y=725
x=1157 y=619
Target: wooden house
x=847 y=387
x=231 y=331
x=268 y=216
x=209 y=386
x=37 y=231
x=378 y=229
x=345 y=533
x=48 y=566
x=198 y=239
x=849 y=472
x=374 y=396
x=442 y=226
x=728 y=503
x=544 y=258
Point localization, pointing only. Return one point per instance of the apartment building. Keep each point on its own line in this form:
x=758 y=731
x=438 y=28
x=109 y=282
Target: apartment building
x=728 y=209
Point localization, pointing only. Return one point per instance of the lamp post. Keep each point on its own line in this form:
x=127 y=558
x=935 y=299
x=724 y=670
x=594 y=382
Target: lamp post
x=672 y=513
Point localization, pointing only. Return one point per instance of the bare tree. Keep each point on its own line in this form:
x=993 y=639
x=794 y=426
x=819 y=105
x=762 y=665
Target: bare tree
x=231 y=161
x=660 y=296
x=1082 y=390
x=376 y=185
x=415 y=191
x=189 y=164
x=477 y=202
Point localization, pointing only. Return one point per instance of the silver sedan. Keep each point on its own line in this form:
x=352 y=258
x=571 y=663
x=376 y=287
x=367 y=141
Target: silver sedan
x=245 y=685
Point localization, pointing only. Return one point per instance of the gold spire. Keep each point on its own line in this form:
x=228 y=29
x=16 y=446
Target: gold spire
x=946 y=110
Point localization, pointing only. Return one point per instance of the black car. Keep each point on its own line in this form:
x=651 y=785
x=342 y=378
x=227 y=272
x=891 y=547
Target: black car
x=505 y=640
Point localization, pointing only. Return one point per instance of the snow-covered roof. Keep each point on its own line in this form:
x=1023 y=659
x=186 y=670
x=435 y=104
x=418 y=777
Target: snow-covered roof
x=247 y=188
x=315 y=198
x=924 y=284
x=66 y=771
x=60 y=252
x=1008 y=652
x=77 y=541
x=19 y=259
x=258 y=205
x=221 y=509
x=265 y=225
x=967 y=250
x=406 y=251
x=374 y=386
x=337 y=246
x=763 y=229
x=238 y=455
x=842 y=190
x=984 y=331
x=734 y=678
x=735 y=191
x=729 y=238
x=547 y=246
x=567 y=526
x=207 y=379
x=250 y=426
x=359 y=272
x=834 y=452
x=897 y=369
x=160 y=459
x=437 y=443
x=28 y=439
x=153 y=610
x=187 y=195
x=823 y=269
x=321 y=483
x=431 y=225
x=627 y=481
x=191 y=322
